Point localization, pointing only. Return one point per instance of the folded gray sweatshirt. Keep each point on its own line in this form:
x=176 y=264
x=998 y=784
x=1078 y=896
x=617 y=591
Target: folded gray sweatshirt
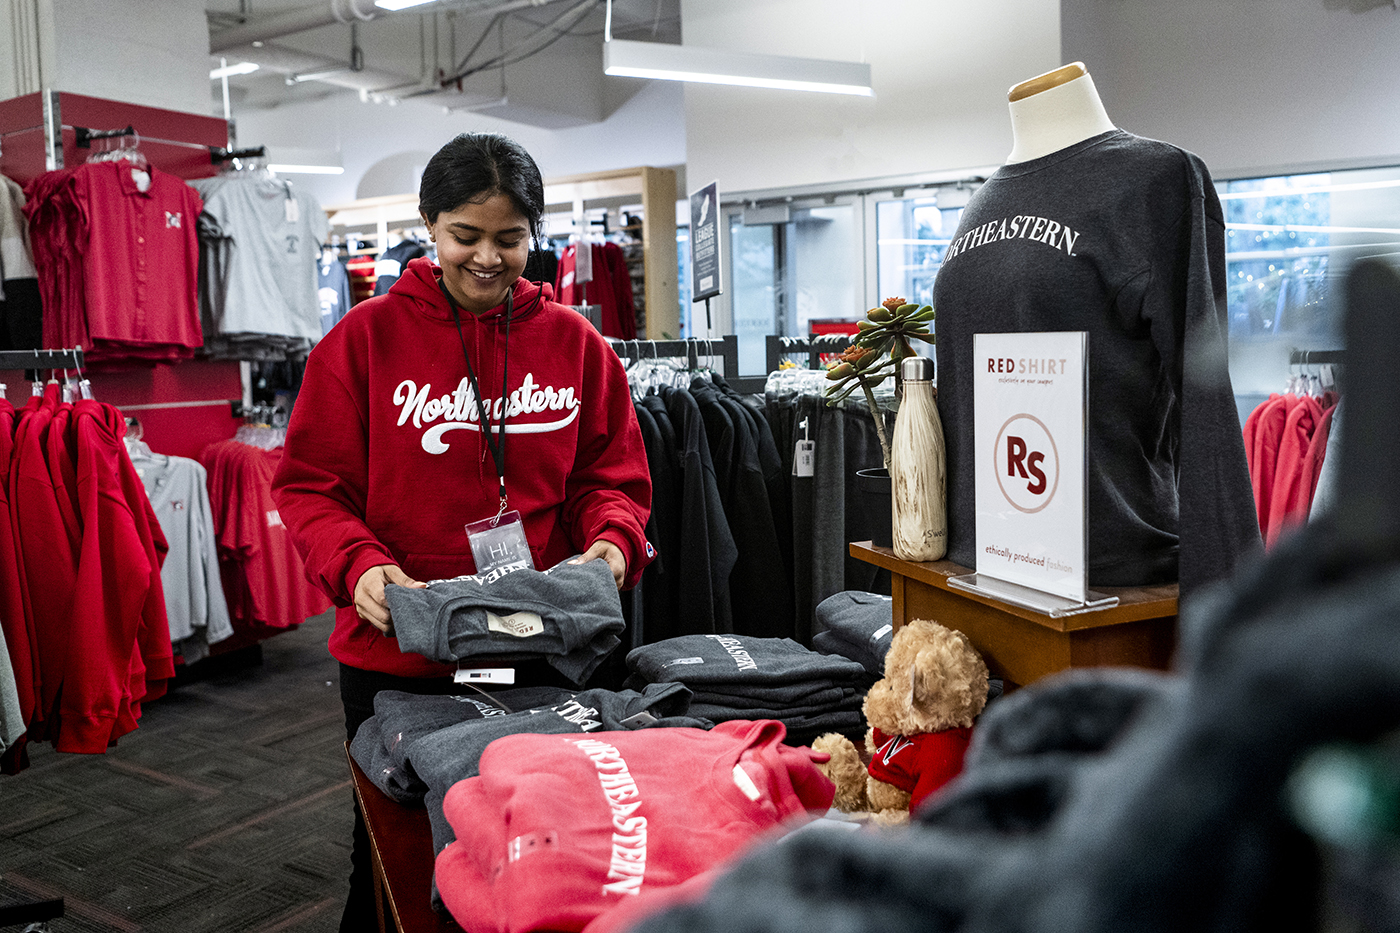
x=382 y=745
x=718 y=661
x=858 y=625
x=570 y=615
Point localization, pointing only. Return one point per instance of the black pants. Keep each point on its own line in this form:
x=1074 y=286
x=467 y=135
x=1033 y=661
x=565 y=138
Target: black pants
x=357 y=691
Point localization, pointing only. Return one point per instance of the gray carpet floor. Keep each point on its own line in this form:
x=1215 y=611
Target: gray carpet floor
x=228 y=810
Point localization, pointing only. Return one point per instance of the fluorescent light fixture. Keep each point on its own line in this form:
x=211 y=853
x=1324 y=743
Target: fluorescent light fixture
x=626 y=58
x=284 y=169
x=394 y=5
x=227 y=71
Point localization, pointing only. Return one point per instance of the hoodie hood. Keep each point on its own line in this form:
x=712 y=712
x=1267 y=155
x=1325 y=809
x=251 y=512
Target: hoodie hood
x=420 y=279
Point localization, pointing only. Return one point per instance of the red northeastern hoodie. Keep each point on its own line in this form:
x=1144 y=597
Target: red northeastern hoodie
x=385 y=462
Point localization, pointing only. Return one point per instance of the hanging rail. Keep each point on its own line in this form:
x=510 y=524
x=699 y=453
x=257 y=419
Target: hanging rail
x=83 y=137
x=103 y=134
x=814 y=346
x=692 y=350
x=219 y=154
x=689 y=349
x=1308 y=357
x=41 y=359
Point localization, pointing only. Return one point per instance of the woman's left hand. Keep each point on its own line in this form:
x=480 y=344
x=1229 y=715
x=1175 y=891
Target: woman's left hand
x=609 y=552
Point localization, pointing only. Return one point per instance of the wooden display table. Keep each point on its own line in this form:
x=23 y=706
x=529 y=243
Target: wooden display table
x=401 y=846
x=1021 y=645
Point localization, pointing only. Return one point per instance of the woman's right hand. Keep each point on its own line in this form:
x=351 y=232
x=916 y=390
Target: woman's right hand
x=369 y=594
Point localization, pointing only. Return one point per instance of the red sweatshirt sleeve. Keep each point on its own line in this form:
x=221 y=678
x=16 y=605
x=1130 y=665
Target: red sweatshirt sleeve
x=608 y=493
x=320 y=487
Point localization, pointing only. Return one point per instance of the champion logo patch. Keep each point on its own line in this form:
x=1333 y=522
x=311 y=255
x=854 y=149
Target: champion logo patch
x=651 y=551
x=172 y=219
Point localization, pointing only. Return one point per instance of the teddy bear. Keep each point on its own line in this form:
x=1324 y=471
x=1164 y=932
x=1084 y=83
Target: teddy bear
x=920 y=716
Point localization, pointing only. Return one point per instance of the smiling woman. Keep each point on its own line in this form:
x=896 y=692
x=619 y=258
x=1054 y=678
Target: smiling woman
x=482 y=250
x=460 y=393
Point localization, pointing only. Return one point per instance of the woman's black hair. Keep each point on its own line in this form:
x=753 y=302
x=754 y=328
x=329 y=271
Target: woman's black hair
x=475 y=166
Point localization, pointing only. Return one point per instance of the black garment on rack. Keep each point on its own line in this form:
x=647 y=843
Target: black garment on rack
x=661 y=579
x=390 y=265
x=771 y=463
x=542 y=265
x=827 y=509
x=707 y=553
x=760 y=587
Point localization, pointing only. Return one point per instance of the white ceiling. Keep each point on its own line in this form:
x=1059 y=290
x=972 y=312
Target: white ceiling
x=537 y=62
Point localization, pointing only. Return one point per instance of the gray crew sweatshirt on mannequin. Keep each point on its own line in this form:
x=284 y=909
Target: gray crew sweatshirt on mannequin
x=569 y=614
x=1122 y=237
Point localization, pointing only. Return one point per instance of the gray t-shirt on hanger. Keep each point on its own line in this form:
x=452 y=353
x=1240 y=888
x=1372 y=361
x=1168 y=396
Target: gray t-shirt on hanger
x=273 y=231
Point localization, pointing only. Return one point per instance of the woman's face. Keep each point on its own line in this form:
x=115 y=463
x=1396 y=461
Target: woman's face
x=482 y=250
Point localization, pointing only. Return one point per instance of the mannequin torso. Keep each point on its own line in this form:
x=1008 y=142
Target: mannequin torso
x=1054 y=110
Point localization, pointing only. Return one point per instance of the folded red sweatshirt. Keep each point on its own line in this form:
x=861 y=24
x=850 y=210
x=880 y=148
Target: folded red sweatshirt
x=558 y=829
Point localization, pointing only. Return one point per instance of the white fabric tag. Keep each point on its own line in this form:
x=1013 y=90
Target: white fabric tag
x=684 y=661
x=746 y=784
x=521 y=624
x=293 y=210
x=804 y=458
x=583 y=263
x=881 y=632
x=489 y=675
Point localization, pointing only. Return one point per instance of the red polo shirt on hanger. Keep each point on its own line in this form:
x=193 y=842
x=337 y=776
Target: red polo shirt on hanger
x=140 y=261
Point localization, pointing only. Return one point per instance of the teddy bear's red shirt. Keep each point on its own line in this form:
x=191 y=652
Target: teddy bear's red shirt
x=919 y=764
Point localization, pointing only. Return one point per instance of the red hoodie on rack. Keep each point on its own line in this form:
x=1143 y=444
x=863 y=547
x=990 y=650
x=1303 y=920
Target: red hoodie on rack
x=385 y=461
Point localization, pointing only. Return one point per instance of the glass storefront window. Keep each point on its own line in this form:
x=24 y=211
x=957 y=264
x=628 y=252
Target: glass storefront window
x=1289 y=240
x=785 y=276
x=911 y=237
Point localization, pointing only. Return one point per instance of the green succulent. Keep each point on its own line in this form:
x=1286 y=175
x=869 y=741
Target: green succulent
x=882 y=341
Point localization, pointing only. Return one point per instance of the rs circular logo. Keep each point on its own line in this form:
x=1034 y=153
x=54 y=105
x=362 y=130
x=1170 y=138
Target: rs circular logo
x=1027 y=463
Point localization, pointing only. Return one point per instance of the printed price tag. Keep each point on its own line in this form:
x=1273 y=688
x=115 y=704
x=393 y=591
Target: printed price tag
x=487 y=675
x=804 y=458
x=293 y=210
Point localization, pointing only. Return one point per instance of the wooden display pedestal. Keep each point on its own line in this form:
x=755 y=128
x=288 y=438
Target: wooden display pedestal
x=1021 y=645
x=401 y=845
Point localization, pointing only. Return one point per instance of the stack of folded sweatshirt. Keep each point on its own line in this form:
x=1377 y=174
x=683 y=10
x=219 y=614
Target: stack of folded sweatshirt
x=857 y=625
x=382 y=746
x=569 y=615
x=430 y=762
x=742 y=677
x=560 y=829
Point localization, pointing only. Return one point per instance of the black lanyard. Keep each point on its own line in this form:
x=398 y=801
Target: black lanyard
x=496 y=445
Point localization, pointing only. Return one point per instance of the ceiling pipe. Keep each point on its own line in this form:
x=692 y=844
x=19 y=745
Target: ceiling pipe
x=306 y=66
x=284 y=24
x=341 y=11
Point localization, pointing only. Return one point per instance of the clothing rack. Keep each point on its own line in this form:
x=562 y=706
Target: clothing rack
x=814 y=346
x=83 y=137
x=219 y=154
x=691 y=350
x=41 y=359
x=1310 y=357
